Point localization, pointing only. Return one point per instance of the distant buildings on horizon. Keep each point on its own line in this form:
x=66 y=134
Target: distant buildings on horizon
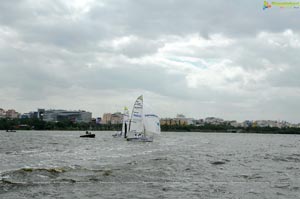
x=10 y=113
x=54 y=115
x=50 y=115
x=64 y=115
x=112 y=118
x=182 y=120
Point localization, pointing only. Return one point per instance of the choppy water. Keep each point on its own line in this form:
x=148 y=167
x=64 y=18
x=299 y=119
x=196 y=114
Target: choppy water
x=57 y=164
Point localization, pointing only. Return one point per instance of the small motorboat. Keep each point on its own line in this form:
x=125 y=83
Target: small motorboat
x=88 y=135
x=10 y=130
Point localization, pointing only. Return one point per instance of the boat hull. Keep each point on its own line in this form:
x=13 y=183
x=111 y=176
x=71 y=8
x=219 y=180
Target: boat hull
x=141 y=139
x=88 y=136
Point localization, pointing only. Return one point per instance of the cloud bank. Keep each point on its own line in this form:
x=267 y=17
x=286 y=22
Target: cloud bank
x=226 y=59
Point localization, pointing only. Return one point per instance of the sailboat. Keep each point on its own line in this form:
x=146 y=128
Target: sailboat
x=142 y=127
x=124 y=124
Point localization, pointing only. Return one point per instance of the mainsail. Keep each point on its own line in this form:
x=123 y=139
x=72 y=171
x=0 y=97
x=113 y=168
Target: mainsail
x=141 y=125
x=136 y=122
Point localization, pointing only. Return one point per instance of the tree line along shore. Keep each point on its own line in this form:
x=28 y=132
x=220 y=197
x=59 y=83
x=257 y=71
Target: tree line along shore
x=36 y=124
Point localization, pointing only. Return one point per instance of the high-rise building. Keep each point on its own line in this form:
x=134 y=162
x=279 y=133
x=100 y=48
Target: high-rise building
x=11 y=113
x=2 y=113
x=106 y=118
x=116 y=118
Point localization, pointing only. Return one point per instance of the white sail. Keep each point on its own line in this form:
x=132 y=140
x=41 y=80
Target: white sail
x=136 y=122
x=142 y=127
x=125 y=120
x=152 y=124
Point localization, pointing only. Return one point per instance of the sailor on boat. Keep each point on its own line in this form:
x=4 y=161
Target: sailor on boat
x=138 y=135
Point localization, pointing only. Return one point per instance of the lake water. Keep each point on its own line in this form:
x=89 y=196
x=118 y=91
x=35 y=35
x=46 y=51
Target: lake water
x=59 y=164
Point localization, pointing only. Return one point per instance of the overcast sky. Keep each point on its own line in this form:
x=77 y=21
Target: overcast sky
x=227 y=59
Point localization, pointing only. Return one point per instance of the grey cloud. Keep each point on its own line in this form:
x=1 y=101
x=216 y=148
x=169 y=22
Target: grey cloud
x=153 y=18
x=140 y=48
x=54 y=53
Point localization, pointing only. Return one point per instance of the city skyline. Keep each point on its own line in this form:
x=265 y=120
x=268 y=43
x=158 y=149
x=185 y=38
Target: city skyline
x=240 y=63
x=12 y=113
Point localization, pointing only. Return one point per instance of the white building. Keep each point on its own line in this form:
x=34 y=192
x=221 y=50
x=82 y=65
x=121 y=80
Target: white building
x=11 y=113
x=214 y=120
x=2 y=113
